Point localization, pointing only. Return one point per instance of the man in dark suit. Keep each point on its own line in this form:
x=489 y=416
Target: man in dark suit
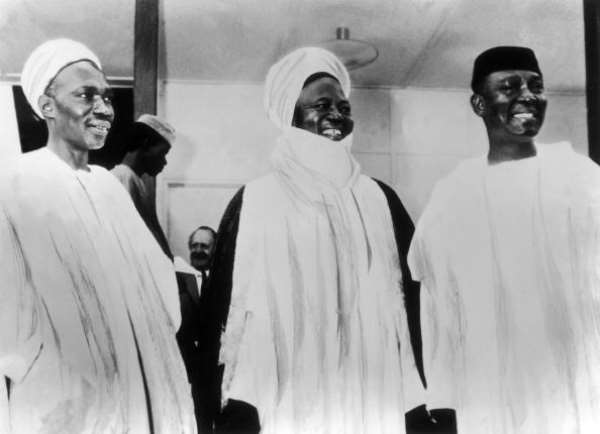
x=191 y=280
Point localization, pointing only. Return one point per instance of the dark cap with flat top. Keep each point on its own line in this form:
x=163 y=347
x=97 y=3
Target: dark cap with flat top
x=501 y=59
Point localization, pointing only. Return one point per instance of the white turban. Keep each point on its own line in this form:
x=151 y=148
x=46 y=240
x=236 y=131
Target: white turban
x=45 y=63
x=286 y=78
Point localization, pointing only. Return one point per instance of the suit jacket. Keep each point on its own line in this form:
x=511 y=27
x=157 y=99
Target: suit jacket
x=188 y=336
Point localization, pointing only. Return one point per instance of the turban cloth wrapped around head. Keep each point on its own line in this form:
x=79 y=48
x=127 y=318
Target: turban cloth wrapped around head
x=46 y=61
x=286 y=78
x=503 y=58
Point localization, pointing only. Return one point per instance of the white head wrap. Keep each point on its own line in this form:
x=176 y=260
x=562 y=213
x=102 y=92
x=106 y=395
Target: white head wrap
x=46 y=62
x=286 y=78
x=158 y=125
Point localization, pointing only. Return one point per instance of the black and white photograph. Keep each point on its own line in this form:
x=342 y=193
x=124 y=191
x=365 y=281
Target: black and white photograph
x=300 y=217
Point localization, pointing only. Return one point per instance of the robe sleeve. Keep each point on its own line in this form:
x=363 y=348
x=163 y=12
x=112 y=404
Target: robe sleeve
x=403 y=232
x=428 y=260
x=20 y=340
x=414 y=394
x=215 y=300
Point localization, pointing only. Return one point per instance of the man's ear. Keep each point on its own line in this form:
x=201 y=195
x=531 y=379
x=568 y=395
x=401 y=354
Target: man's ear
x=46 y=105
x=478 y=104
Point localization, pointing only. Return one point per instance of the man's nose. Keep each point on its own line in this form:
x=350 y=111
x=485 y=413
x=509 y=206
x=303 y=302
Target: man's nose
x=103 y=107
x=334 y=113
x=526 y=94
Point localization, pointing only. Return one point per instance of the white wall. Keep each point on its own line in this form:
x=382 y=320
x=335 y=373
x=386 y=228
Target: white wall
x=223 y=141
x=408 y=138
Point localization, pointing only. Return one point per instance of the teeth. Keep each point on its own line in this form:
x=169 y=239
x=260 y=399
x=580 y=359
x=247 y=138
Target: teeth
x=102 y=128
x=332 y=132
x=523 y=115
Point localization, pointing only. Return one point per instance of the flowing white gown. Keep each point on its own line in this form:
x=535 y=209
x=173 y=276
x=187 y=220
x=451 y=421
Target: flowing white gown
x=509 y=256
x=88 y=307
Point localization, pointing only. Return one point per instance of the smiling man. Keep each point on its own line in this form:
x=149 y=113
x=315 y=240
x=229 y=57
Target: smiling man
x=309 y=272
x=88 y=302
x=201 y=244
x=507 y=252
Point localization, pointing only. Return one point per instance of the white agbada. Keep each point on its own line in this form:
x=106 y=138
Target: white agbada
x=88 y=307
x=508 y=256
x=317 y=338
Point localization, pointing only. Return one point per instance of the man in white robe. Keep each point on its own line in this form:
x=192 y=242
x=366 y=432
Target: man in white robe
x=309 y=272
x=148 y=142
x=507 y=252
x=88 y=301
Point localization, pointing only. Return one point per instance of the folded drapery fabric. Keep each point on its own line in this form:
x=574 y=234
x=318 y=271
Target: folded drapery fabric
x=317 y=337
x=89 y=306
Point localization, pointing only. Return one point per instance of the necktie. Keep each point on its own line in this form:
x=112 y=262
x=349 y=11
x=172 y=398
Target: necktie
x=204 y=280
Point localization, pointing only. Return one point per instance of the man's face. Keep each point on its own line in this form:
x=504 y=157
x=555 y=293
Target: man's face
x=202 y=247
x=324 y=110
x=155 y=157
x=514 y=103
x=82 y=110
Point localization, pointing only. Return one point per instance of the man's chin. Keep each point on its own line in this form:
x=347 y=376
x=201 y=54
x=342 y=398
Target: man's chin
x=528 y=132
x=198 y=265
x=525 y=130
x=94 y=146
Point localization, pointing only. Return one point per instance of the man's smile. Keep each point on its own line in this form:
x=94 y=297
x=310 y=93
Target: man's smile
x=99 y=127
x=332 y=133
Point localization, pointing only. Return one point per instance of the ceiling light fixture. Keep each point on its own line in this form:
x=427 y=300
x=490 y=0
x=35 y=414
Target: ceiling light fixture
x=353 y=53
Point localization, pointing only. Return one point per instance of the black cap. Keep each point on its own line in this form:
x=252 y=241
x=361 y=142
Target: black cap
x=501 y=59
